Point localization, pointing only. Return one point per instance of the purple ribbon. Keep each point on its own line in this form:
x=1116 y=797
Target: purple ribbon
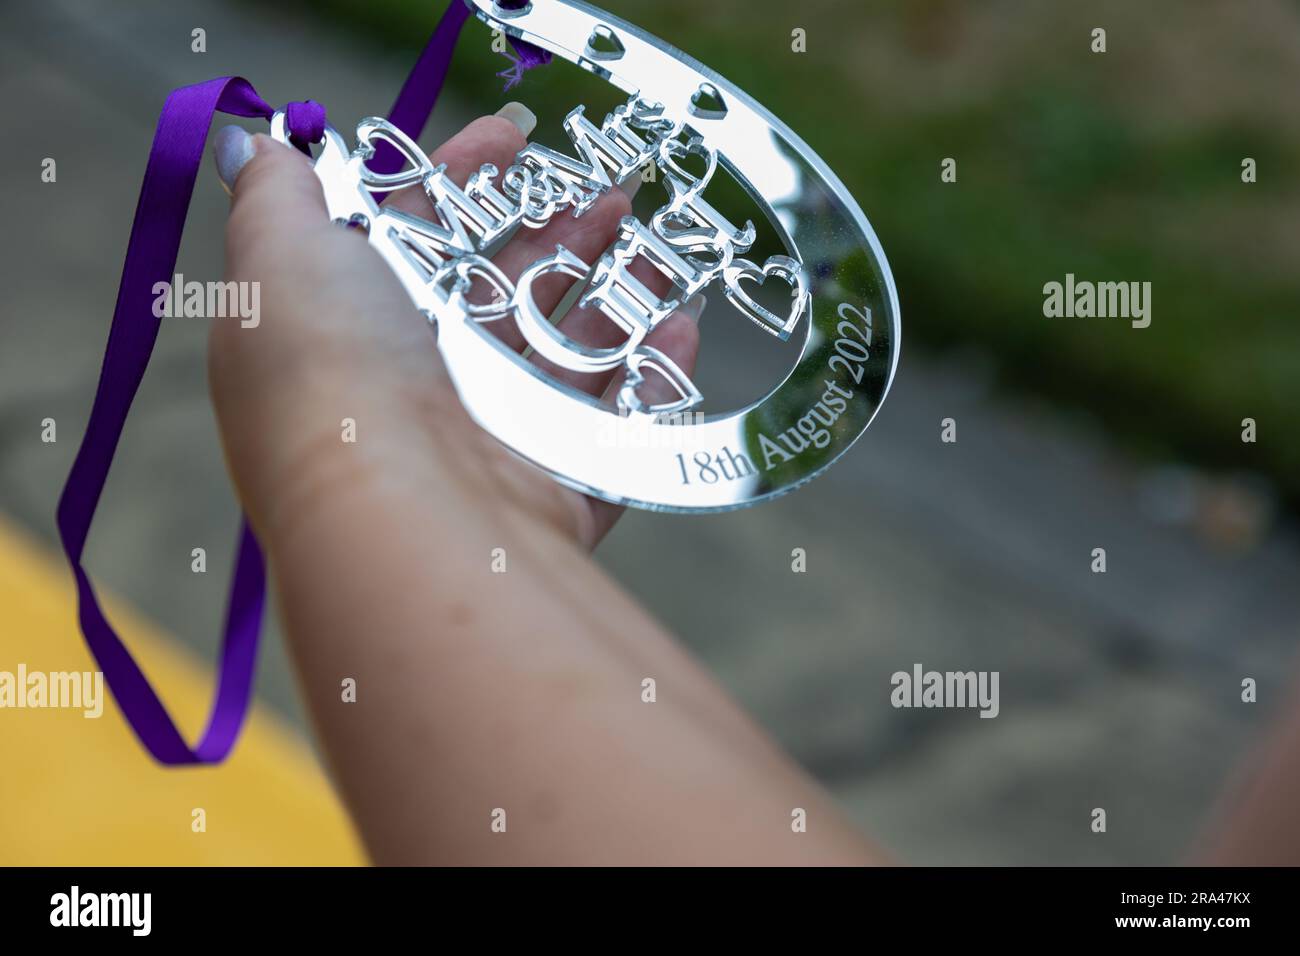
x=160 y=213
x=528 y=56
x=415 y=102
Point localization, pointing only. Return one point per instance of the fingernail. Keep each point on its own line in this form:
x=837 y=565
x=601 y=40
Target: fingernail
x=232 y=149
x=694 y=307
x=521 y=116
x=631 y=185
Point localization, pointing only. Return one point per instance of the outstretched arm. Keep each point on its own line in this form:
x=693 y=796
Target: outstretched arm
x=475 y=691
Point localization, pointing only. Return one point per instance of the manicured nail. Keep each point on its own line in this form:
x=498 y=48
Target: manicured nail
x=232 y=149
x=694 y=307
x=520 y=115
x=631 y=185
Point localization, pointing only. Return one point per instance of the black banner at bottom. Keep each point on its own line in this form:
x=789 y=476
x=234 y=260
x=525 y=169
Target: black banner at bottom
x=370 y=905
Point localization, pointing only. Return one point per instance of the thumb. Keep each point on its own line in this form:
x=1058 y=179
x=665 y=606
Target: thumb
x=272 y=184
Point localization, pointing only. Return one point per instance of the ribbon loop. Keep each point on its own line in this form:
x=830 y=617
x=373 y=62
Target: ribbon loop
x=306 y=122
x=151 y=251
x=160 y=213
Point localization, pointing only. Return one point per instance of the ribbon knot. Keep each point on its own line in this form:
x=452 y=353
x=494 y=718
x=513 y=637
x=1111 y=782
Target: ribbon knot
x=528 y=56
x=306 y=122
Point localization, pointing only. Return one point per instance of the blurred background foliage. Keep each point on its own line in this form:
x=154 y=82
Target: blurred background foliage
x=1122 y=166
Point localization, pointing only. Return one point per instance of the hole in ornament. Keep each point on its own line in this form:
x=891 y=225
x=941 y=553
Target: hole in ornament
x=604 y=44
x=506 y=12
x=707 y=102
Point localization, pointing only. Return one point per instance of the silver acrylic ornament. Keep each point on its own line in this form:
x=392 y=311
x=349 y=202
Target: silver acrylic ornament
x=840 y=320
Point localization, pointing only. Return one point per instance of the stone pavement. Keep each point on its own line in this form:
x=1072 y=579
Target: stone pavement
x=1118 y=690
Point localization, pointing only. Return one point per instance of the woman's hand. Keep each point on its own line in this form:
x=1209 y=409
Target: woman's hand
x=493 y=717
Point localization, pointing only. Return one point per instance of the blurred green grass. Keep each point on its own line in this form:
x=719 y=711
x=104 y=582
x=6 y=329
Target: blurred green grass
x=1122 y=166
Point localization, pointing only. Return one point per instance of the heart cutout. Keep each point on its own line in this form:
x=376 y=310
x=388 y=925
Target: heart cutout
x=670 y=150
x=462 y=278
x=707 y=102
x=782 y=267
x=603 y=44
x=688 y=396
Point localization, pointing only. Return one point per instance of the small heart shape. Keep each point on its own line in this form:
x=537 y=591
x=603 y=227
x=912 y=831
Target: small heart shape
x=707 y=102
x=672 y=149
x=783 y=267
x=603 y=44
x=415 y=164
x=462 y=277
x=630 y=402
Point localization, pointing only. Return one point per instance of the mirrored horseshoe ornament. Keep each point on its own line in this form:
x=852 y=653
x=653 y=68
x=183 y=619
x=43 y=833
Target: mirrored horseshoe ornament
x=840 y=320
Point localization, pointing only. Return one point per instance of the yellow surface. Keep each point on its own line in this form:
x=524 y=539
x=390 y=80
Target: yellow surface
x=81 y=791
